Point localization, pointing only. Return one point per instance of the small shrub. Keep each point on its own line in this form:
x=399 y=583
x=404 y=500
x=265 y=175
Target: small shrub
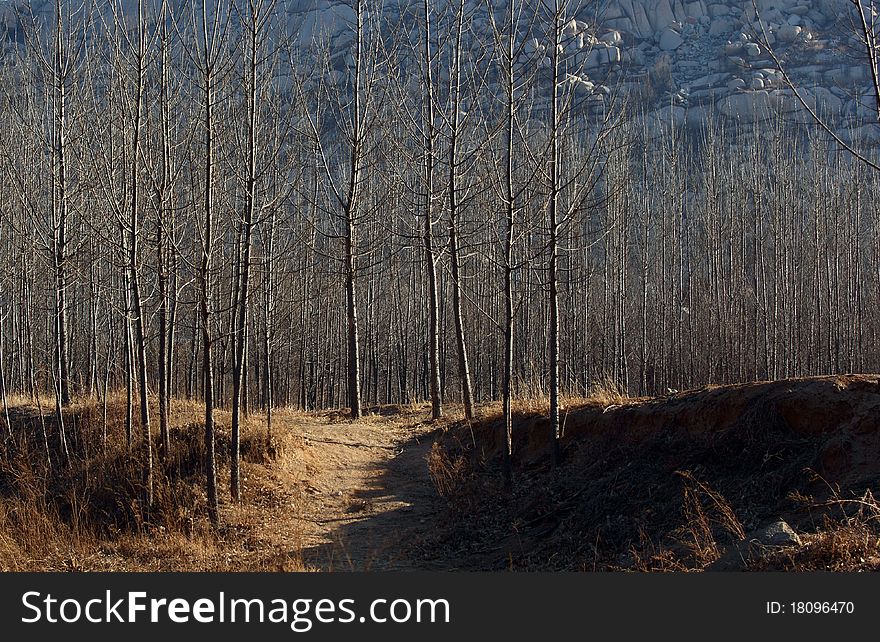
x=607 y=392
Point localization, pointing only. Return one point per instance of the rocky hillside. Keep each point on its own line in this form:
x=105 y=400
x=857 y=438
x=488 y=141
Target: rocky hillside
x=680 y=61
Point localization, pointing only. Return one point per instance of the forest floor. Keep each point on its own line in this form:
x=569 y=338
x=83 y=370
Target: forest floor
x=366 y=498
x=333 y=495
x=758 y=476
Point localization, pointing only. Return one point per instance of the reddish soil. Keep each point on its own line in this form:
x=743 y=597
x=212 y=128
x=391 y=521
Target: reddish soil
x=792 y=450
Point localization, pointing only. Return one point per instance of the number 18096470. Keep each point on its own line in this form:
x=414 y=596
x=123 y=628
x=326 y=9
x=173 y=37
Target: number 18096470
x=811 y=608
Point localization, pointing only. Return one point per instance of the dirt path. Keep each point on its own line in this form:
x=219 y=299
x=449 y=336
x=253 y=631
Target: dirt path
x=368 y=498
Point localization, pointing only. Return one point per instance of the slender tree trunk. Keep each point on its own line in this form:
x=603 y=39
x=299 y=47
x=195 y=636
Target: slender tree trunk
x=553 y=229
x=430 y=259
x=464 y=373
x=241 y=313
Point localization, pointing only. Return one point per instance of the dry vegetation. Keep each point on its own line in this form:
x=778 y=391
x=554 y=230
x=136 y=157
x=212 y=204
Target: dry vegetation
x=85 y=515
x=684 y=483
x=394 y=491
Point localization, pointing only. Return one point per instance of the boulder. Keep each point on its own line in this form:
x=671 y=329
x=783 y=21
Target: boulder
x=721 y=26
x=778 y=533
x=788 y=33
x=640 y=20
x=613 y=54
x=570 y=29
x=752 y=49
x=733 y=48
x=670 y=40
x=827 y=102
x=661 y=14
x=612 y=38
x=695 y=9
x=709 y=80
x=748 y=106
x=602 y=56
x=739 y=555
x=621 y=24
x=864 y=135
x=673 y=115
x=696 y=118
x=581 y=86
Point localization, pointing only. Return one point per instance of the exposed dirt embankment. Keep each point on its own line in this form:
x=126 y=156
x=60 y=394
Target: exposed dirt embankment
x=673 y=482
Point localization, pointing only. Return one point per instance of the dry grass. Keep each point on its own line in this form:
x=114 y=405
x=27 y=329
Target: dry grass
x=707 y=516
x=86 y=513
x=847 y=539
x=606 y=392
x=447 y=471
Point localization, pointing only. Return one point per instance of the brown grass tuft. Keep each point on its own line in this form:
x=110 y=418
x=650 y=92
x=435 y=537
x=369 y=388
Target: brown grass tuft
x=606 y=392
x=707 y=517
x=447 y=471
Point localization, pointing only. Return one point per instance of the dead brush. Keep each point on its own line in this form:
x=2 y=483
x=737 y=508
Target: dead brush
x=847 y=539
x=607 y=392
x=450 y=474
x=447 y=473
x=650 y=557
x=707 y=515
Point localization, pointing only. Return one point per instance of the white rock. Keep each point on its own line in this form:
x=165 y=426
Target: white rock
x=827 y=102
x=752 y=49
x=661 y=14
x=571 y=29
x=788 y=33
x=581 y=86
x=721 y=26
x=612 y=38
x=614 y=56
x=602 y=56
x=670 y=115
x=777 y=534
x=695 y=9
x=748 y=106
x=670 y=40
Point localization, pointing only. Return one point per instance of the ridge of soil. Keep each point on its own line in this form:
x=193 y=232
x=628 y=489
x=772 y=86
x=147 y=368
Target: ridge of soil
x=673 y=483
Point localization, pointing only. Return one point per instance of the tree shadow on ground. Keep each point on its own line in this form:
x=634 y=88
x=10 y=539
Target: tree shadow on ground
x=386 y=523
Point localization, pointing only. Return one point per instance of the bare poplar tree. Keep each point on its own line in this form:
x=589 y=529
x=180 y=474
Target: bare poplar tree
x=209 y=56
x=430 y=139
